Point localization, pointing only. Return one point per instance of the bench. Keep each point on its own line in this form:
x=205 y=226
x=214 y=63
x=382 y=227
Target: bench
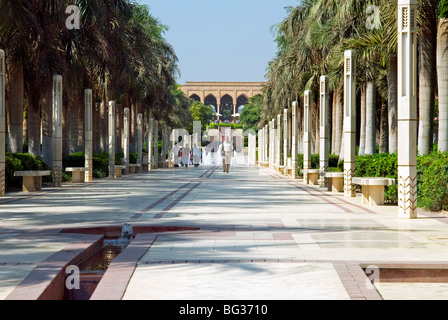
x=373 y=189
x=32 y=180
x=145 y=166
x=119 y=171
x=311 y=176
x=335 y=181
x=78 y=174
x=281 y=169
x=133 y=168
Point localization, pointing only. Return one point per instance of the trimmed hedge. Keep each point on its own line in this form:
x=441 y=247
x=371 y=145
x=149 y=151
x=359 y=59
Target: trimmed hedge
x=100 y=162
x=230 y=125
x=432 y=177
x=22 y=162
x=380 y=165
x=333 y=161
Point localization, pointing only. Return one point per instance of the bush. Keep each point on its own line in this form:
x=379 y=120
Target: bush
x=75 y=160
x=22 y=162
x=380 y=165
x=231 y=125
x=333 y=160
x=100 y=165
x=432 y=179
x=314 y=162
x=132 y=158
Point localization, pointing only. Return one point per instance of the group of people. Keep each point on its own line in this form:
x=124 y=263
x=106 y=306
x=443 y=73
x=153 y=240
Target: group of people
x=193 y=156
x=186 y=155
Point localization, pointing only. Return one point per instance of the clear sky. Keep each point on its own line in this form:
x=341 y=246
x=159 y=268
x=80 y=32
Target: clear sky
x=221 y=40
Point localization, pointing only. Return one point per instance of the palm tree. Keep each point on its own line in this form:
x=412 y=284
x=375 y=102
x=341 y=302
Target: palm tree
x=18 y=25
x=442 y=74
x=427 y=74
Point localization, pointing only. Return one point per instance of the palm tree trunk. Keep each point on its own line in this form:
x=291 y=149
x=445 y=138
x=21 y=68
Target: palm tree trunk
x=427 y=76
x=333 y=124
x=392 y=104
x=315 y=121
x=103 y=125
x=362 y=138
x=33 y=123
x=47 y=127
x=81 y=123
x=15 y=109
x=442 y=76
x=339 y=122
x=119 y=128
x=65 y=124
x=96 y=117
x=73 y=107
x=384 y=129
x=370 y=118
x=133 y=133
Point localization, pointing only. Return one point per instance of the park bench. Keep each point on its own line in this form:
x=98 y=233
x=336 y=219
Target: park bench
x=119 y=171
x=133 y=168
x=335 y=181
x=145 y=166
x=373 y=189
x=78 y=174
x=32 y=180
x=281 y=169
x=311 y=176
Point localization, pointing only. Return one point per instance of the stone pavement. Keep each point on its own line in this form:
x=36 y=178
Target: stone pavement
x=252 y=235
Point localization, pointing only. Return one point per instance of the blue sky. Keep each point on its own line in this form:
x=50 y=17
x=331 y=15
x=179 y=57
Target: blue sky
x=221 y=40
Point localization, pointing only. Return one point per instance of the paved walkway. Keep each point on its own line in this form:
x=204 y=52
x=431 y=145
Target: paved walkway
x=252 y=235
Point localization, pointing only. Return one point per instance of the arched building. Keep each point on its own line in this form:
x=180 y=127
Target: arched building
x=227 y=98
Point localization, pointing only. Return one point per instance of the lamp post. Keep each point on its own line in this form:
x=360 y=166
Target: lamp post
x=57 y=131
x=324 y=129
x=407 y=109
x=349 y=121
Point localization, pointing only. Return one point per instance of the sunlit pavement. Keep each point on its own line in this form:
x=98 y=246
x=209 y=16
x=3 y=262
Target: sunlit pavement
x=260 y=236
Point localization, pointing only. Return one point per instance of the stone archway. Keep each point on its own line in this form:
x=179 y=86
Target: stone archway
x=226 y=108
x=211 y=100
x=240 y=92
x=195 y=97
x=241 y=102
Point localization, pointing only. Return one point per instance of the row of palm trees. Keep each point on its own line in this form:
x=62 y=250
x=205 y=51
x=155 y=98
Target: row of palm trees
x=311 y=42
x=119 y=51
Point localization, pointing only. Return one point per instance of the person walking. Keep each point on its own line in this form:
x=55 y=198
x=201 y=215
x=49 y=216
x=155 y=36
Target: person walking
x=196 y=155
x=176 y=151
x=186 y=155
x=228 y=150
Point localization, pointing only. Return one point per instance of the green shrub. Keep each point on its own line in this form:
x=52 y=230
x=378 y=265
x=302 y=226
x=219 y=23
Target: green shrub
x=314 y=162
x=22 y=162
x=333 y=160
x=74 y=160
x=231 y=125
x=12 y=164
x=132 y=158
x=432 y=179
x=380 y=165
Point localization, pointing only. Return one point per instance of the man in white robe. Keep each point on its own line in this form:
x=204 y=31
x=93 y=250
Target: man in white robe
x=196 y=155
x=227 y=154
x=186 y=155
x=175 y=151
